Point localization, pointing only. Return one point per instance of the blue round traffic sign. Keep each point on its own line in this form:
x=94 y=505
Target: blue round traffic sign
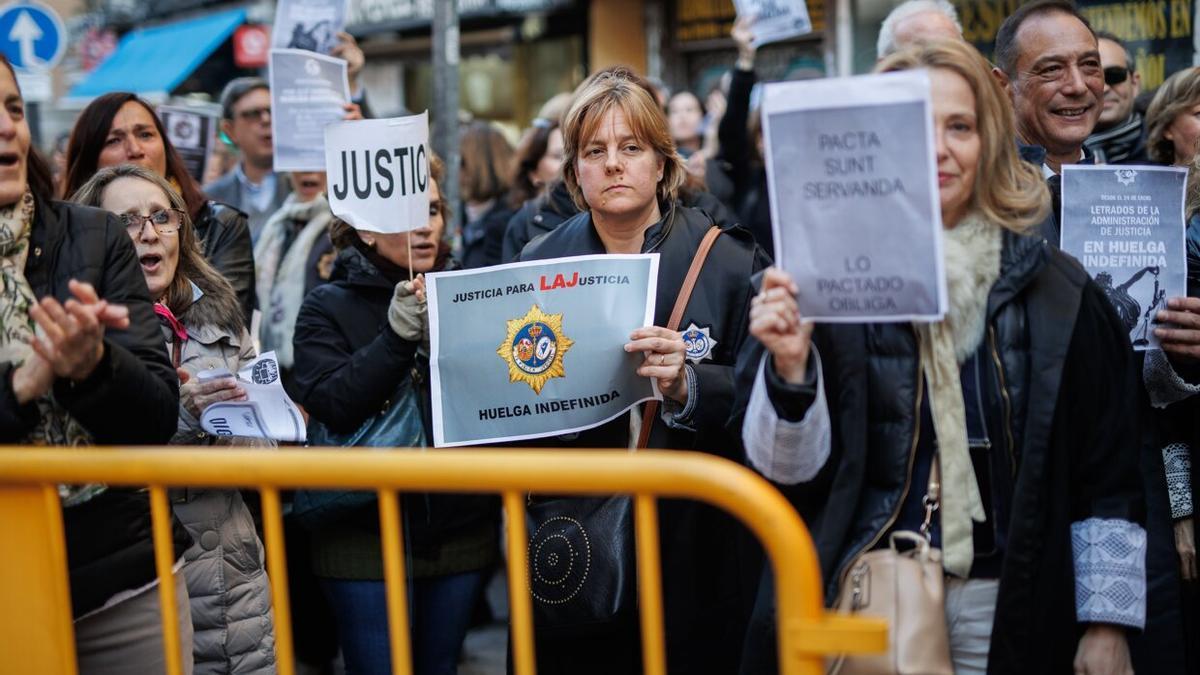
x=32 y=35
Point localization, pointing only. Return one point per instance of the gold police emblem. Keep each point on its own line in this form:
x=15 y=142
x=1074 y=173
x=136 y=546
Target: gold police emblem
x=534 y=348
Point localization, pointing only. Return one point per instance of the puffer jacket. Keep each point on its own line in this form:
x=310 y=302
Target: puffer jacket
x=130 y=398
x=225 y=241
x=1065 y=405
x=227 y=584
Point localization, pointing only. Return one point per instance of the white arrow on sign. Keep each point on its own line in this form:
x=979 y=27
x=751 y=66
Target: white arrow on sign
x=26 y=32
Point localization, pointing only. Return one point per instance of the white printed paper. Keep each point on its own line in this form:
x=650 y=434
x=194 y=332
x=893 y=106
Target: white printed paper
x=193 y=132
x=775 y=20
x=855 y=210
x=267 y=411
x=1126 y=225
x=378 y=172
x=308 y=92
x=311 y=25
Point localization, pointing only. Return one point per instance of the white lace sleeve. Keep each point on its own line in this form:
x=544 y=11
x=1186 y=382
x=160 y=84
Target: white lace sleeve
x=786 y=452
x=1163 y=384
x=1110 y=571
x=1177 y=463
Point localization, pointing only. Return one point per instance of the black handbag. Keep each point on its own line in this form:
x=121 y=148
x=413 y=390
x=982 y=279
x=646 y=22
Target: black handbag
x=582 y=570
x=581 y=561
x=399 y=425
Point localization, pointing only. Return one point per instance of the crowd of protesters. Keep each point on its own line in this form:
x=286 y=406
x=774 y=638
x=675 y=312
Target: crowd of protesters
x=1065 y=488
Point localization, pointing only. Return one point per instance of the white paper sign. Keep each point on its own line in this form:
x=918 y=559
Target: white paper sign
x=267 y=411
x=1126 y=225
x=378 y=172
x=311 y=25
x=855 y=211
x=193 y=132
x=308 y=91
x=775 y=20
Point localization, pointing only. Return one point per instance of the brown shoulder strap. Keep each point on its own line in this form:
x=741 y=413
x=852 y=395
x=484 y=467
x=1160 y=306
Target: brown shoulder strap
x=681 y=303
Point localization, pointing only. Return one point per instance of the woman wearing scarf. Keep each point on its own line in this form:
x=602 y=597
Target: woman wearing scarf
x=82 y=362
x=293 y=255
x=202 y=327
x=1024 y=396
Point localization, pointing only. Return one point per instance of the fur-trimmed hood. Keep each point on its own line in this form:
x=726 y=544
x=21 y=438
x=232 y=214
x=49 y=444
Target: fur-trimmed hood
x=213 y=308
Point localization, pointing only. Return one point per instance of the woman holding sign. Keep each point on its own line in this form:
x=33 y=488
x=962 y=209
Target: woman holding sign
x=624 y=174
x=202 y=325
x=1000 y=437
x=362 y=372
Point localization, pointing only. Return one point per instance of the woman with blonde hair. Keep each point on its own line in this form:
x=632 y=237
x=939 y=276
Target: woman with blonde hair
x=1021 y=397
x=623 y=173
x=1173 y=119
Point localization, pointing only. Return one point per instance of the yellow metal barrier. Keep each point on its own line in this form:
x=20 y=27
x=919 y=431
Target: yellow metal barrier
x=36 y=634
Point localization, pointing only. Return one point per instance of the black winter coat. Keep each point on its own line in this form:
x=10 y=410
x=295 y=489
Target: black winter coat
x=1066 y=402
x=132 y=397
x=709 y=564
x=225 y=242
x=535 y=218
x=349 y=362
x=483 y=239
x=749 y=177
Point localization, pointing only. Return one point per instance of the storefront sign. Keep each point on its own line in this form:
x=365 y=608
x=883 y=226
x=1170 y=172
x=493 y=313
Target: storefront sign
x=251 y=44
x=375 y=15
x=1157 y=32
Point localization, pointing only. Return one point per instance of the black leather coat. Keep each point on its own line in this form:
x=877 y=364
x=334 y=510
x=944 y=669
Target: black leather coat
x=1065 y=401
x=225 y=242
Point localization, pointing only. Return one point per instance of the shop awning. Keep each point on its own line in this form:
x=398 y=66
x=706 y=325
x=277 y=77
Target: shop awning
x=153 y=61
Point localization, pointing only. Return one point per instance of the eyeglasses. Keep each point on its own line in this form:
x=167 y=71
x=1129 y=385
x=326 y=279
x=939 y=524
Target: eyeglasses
x=1114 y=75
x=254 y=114
x=164 y=222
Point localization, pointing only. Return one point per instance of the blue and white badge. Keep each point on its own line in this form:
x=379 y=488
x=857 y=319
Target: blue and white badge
x=698 y=343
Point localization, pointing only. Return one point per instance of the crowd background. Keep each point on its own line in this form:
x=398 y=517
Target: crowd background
x=99 y=321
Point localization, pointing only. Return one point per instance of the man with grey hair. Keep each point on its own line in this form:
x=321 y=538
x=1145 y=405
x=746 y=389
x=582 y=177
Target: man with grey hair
x=917 y=21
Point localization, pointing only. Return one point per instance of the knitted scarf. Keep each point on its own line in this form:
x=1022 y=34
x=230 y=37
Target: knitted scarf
x=281 y=273
x=55 y=426
x=972 y=253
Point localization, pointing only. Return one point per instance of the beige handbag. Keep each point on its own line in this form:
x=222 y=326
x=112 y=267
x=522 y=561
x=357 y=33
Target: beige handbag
x=903 y=584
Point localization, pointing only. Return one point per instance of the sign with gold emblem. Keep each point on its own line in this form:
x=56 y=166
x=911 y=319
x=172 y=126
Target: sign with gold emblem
x=536 y=349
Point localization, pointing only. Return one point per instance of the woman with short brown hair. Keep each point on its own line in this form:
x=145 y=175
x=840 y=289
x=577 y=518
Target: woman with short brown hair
x=624 y=173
